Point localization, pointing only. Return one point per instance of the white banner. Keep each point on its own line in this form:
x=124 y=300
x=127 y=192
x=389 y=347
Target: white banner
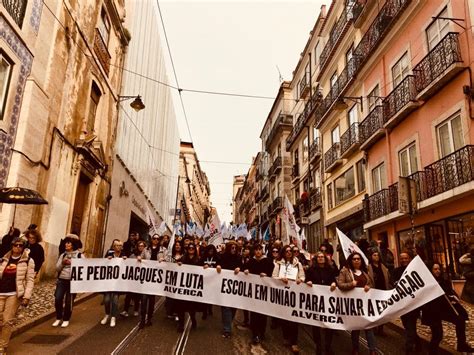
x=315 y=305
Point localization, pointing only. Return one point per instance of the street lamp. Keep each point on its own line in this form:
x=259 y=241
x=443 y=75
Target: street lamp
x=137 y=104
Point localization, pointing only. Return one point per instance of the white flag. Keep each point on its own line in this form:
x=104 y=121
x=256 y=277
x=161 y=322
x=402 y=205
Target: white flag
x=162 y=229
x=152 y=227
x=349 y=247
x=292 y=229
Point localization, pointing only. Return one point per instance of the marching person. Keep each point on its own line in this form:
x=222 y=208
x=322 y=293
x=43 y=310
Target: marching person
x=246 y=257
x=7 y=239
x=130 y=245
x=230 y=260
x=448 y=308
x=148 y=301
x=263 y=266
x=289 y=268
x=111 y=299
x=412 y=341
x=210 y=258
x=353 y=275
x=36 y=249
x=379 y=273
x=63 y=299
x=17 y=279
x=322 y=273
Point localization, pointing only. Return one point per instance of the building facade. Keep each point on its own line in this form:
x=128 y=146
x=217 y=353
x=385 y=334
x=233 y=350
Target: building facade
x=245 y=206
x=237 y=183
x=61 y=79
x=145 y=166
x=193 y=202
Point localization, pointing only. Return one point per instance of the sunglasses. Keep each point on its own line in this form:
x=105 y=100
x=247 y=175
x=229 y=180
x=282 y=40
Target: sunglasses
x=155 y=238
x=356 y=259
x=288 y=251
x=18 y=245
x=275 y=251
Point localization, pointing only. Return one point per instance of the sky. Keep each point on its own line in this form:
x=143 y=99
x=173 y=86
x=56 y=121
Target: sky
x=233 y=47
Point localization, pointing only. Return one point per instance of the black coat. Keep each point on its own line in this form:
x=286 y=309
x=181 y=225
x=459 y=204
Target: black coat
x=321 y=275
x=37 y=254
x=263 y=265
x=230 y=261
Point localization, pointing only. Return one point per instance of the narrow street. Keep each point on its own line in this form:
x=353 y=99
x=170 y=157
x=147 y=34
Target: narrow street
x=85 y=335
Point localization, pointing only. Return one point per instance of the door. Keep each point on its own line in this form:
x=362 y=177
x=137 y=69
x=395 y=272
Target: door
x=80 y=203
x=437 y=244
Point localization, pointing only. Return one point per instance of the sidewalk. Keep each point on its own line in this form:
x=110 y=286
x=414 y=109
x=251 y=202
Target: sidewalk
x=41 y=306
x=449 y=331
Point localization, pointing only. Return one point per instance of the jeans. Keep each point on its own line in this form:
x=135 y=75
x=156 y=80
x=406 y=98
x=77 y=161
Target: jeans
x=129 y=296
x=258 y=324
x=369 y=335
x=328 y=334
x=63 y=299
x=111 y=300
x=8 y=307
x=290 y=331
x=147 y=307
x=411 y=337
x=228 y=314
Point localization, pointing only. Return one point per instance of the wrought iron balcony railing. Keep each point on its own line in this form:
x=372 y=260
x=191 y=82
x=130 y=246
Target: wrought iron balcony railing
x=332 y=155
x=350 y=13
x=304 y=208
x=304 y=84
x=381 y=203
x=315 y=149
x=264 y=193
x=315 y=199
x=371 y=124
x=100 y=49
x=381 y=25
x=350 y=138
x=282 y=121
x=275 y=168
x=295 y=171
x=277 y=204
x=435 y=63
x=16 y=9
x=404 y=93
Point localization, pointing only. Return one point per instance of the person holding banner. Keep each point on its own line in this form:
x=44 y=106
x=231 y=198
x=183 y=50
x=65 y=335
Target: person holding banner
x=17 y=273
x=353 y=275
x=263 y=266
x=230 y=260
x=322 y=273
x=63 y=299
x=381 y=277
x=210 y=258
x=111 y=299
x=289 y=268
x=448 y=308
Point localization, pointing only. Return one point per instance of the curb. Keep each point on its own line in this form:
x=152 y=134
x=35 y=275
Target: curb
x=45 y=316
x=443 y=349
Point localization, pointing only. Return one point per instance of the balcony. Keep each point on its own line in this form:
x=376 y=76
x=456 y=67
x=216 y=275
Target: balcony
x=371 y=128
x=295 y=172
x=360 y=12
x=314 y=150
x=381 y=203
x=332 y=158
x=350 y=140
x=283 y=121
x=100 y=49
x=350 y=13
x=379 y=28
x=264 y=193
x=304 y=208
x=315 y=199
x=275 y=168
x=16 y=9
x=304 y=85
x=400 y=102
x=438 y=67
x=276 y=205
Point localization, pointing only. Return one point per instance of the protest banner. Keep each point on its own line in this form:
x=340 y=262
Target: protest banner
x=316 y=305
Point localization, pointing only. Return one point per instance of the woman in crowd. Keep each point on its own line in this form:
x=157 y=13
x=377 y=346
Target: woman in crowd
x=210 y=258
x=63 y=299
x=246 y=257
x=177 y=252
x=7 y=239
x=379 y=273
x=322 y=273
x=140 y=252
x=17 y=272
x=111 y=299
x=263 y=266
x=448 y=308
x=230 y=260
x=190 y=258
x=289 y=268
x=36 y=250
x=148 y=301
x=353 y=275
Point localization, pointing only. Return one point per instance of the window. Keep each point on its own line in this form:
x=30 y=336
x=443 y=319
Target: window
x=329 y=193
x=360 y=167
x=317 y=53
x=104 y=27
x=5 y=72
x=94 y=103
x=297 y=193
x=279 y=150
x=373 y=97
x=317 y=178
x=437 y=30
x=345 y=186
x=400 y=70
x=307 y=74
x=349 y=63
x=450 y=136
x=335 y=135
x=315 y=133
x=279 y=189
x=296 y=157
x=408 y=161
x=378 y=178
x=333 y=79
x=353 y=115
x=305 y=149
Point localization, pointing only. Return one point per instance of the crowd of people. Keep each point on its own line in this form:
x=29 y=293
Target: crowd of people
x=22 y=257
